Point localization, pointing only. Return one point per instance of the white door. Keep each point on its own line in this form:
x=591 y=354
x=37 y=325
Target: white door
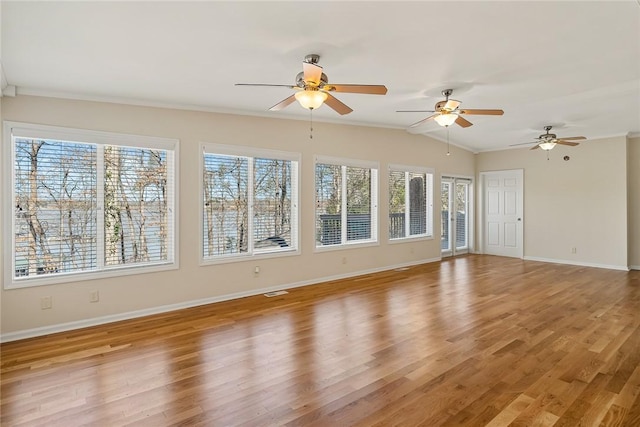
x=502 y=229
x=455 y=234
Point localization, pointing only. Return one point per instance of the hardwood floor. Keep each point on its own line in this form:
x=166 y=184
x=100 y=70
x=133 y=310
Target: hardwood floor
x=473 y=341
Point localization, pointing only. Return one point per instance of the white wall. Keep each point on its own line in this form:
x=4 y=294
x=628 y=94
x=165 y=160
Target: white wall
x=1 y=227
x=633 y=165
x=579 y=203
x=21 y=307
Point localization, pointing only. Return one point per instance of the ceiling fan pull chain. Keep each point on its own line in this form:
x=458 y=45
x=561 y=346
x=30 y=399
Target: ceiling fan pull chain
x=448 y=152
x=310 y=123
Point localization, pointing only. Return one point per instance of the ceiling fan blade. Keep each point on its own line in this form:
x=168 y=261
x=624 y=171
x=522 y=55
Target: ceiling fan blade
x=285 y=102
x=482 y=112
x=264 y=84
x=573 y=138
x=312 y=73
x=337 y=105
x=367 y=89
x=537 y=146
x=416 y=124
x=563 y=142
x=451 y=105
x=523 y=143
x=461 y=121
x=415 y=111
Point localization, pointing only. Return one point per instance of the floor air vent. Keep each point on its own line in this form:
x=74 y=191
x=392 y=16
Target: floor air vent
x=275 y=293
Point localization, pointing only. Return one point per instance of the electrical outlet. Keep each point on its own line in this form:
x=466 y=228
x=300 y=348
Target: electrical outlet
x=46 y=303
x=344 y=260
x=573 y=250
x=256 y=270
x=94 y=296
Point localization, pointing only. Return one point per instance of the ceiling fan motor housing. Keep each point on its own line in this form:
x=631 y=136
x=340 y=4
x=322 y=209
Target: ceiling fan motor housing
x=440 y=106
x=301 y=83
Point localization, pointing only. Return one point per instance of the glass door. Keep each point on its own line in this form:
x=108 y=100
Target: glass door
x=456 y=221
x=446 y=232
x=461 y=220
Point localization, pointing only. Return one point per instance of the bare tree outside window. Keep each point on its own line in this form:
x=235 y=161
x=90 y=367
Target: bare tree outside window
x=229 y=208
x=272 y=203
x=356 y=184
x=135 y=205
x=358 y=203
x=55 y=208
x=410 y=199
x=57 y=203
x=226 y=201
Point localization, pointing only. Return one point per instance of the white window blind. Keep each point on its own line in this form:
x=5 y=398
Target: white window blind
x=410 y=202
x=55 y=212
x=346 y=202
x=135 y=205
x=226 y=205
x=81 y=208
x=358 y=185
x=273 y=212
x=249 y=203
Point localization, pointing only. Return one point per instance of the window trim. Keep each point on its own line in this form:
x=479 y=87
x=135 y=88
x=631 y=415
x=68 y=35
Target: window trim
x=100 y=138
x=430 y=172
x=374 y=166
x=253 y=153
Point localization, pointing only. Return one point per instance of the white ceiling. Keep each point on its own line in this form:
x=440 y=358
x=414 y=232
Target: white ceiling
x=575 y=65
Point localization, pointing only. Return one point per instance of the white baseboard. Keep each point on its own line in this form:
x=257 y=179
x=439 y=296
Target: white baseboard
x=634 y=267
x=579 y=263
x=85 y=323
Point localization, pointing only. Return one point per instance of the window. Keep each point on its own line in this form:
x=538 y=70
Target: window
x=250 y=202
x=346 y=202
x=87 y=203
x=410 y=202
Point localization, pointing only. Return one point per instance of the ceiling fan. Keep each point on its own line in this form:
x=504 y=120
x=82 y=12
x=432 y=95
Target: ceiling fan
x=547 y=140
x=447 y=112
x=312 y=88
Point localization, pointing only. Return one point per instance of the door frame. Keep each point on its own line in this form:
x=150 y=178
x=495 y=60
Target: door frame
x=481 y=208
x=470 y=213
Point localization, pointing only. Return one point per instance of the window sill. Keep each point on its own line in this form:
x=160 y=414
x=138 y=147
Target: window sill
x=227 y=259
x=410 y=239
x=44 y=280
x=343 y=246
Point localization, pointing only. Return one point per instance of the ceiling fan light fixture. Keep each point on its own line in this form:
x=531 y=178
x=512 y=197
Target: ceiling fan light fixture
x=446 y=119
x=547 y=145
x=311 y=99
